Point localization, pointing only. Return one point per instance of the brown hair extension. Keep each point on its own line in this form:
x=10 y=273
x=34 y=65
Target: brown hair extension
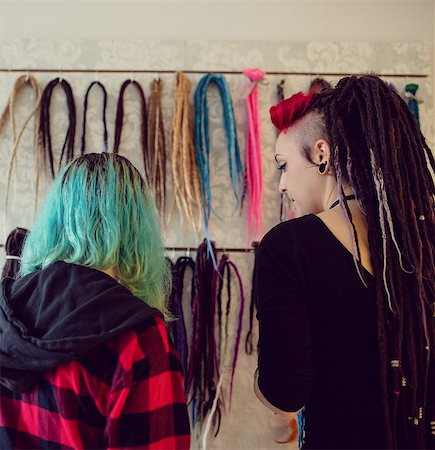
x=156 y=147
x=9 y=113
x=319 y=85
x=187 y=192
x=44 y=124
x=14 y=247
x=378 y=148
x=143 y=128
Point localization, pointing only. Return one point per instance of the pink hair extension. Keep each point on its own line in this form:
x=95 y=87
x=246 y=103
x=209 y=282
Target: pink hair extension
x=254 y=177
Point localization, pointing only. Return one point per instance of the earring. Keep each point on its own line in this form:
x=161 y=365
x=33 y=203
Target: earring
x=322 y=167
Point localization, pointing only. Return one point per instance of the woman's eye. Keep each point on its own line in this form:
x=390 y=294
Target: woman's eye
x=282 y=167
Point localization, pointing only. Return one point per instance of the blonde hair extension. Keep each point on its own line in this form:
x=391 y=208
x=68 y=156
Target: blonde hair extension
x=187 y=191
x=8 y=114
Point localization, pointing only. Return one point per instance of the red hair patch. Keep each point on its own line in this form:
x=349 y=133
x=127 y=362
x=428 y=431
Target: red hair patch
x=288 y=111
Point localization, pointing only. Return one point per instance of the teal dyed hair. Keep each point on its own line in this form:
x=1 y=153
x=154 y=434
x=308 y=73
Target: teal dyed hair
x=100 y=213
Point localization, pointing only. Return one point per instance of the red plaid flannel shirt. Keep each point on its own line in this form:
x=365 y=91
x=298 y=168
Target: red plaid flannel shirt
x=126 y=394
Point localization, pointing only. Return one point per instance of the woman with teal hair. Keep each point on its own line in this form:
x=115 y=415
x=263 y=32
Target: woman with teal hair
x=86 y=361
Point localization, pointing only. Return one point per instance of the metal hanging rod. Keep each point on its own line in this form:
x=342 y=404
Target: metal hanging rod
x=223 y=72
x=194 y=249
x=219 y=250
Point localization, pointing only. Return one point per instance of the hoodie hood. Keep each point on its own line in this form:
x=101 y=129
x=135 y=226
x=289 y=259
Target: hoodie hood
x=59 y=314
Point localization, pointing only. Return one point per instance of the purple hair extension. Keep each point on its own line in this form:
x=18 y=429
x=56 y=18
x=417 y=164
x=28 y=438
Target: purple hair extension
x=202 y=369
x=178 y=327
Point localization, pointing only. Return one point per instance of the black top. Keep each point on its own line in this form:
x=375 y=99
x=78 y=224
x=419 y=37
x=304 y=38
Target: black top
x=318 y=344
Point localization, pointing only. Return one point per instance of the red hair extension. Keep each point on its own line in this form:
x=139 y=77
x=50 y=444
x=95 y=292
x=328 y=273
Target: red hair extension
x=288 y=111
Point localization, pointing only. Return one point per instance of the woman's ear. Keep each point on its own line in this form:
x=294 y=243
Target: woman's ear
x=321 y=156
x=321 y=152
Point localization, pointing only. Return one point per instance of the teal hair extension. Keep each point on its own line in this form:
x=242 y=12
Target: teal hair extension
x=99 y=213
x=202 y=147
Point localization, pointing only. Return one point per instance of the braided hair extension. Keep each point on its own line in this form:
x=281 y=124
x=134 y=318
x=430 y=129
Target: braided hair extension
x=156 y=147
x=319 y=85
x=187 y=191
x=85 y=111
x=44 y=124
x=14 y=246
x=410 y=95
x=143 y=128
x=178 y=327
x=249 y=348
x=253 y=166
x=202 y=145
x=225 y=267
x=202 y=368
x=9 y=114
x=378 y=148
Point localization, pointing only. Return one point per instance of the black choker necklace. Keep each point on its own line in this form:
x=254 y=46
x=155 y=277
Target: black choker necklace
x=347 y=197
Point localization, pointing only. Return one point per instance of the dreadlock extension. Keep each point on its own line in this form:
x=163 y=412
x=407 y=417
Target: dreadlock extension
x=319 y=85
x=9 y=113
x=202 y=145
x=221 y=356
x=14 y=246
x=85 y=111
x=156 y=147
x=202 y=369
x=44 y=124
x=143 y=128
x=187 y=191
x=178 y=327
x=378 y=148
x=253 y=167
x=249 y=347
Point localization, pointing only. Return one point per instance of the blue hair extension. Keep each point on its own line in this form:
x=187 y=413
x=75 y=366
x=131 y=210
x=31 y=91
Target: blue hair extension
x=202 y=146
x=410 y=93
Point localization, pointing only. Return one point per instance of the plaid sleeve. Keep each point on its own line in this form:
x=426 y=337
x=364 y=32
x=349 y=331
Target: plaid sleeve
x=146 y=407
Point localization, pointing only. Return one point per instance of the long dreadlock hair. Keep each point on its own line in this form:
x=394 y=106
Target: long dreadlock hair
x=377 y=147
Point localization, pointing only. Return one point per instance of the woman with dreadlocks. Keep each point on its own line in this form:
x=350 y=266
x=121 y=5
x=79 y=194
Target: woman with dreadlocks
x=346 y=292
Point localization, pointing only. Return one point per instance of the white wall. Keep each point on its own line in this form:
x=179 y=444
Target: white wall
x=348 y=20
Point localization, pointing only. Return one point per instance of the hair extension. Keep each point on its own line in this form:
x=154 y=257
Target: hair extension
x=253 y=166
x=85 y=111
x=202 y=145
x=202 y=366
x=9 y=113
x=143 y=126
x=378 y=148
x=249 y=348
x=156 y=147
x=14 y=245
x=222 y=356
x=100 y=213
x=67 y=151
x=319 y=85
x=178 y=326
x=280 y=90
x=410 y=93
x=187 y=191
x=239 y=324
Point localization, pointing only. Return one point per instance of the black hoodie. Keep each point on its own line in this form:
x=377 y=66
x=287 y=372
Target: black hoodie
x=59 y=314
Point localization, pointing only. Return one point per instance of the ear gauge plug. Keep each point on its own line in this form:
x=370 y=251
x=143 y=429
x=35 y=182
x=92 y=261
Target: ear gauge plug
x=322 y=167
